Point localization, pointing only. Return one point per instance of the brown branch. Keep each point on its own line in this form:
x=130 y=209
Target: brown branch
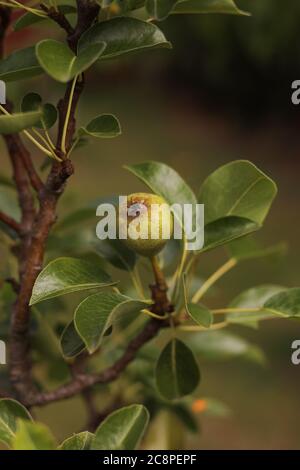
x=12 y=223
x=39 y=225
x=33 y=176
x=59 y=18
x=82 y=382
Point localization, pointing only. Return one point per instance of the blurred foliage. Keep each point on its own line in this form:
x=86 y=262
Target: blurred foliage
x=246 y=63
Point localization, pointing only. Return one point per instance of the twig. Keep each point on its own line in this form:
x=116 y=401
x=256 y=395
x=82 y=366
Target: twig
x=213 y=279
x=84 y=381
x=12 y=223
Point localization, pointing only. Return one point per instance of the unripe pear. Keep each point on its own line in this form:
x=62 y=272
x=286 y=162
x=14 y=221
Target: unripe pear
x=149 y=223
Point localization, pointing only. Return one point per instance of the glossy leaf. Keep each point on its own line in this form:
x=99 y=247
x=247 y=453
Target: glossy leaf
x=33 y=102
x=255 y=297
x=199 y=313
x=237 y=189
x=65 y=275
x=224 y=230
x=95 y=314
x=13 y=123
x=160 y=9
x=105 y=125
x=29 y=19
x=80 y=441
x=10 y=412
x=117 y=253
x=71 y=342
x=286 y=303
x=58 y=61
x=20 y=65
x=123 y=36
x=164 y=181
x=32 y=436
x=208 y=6
x=177 y=373
x=122 y=429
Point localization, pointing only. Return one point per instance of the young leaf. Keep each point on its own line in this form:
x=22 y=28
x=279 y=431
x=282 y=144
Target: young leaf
x=13 y=123
x=20 y=65
x=123 y=36
x=10 y=411
x=208 y=6
x=238 y=189
x=105 y=125
x=177 y=373
x=64 y=275
x=61 y=63
x=33 y=102
x=28 y=19
x=255 y=297
x=286 y=303
x=160 y=9
x=32 y=436
x=224 y=230
x=199 y=313
x=70 y=341
x=81 y=441
x=122 y=429
x=94 y=315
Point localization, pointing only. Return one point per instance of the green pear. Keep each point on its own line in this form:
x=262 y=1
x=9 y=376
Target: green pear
x=149 y=223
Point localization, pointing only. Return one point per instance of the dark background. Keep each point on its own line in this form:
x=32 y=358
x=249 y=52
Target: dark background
x=222 y=93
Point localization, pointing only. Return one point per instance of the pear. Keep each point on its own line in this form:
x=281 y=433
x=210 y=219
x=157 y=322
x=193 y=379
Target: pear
x=149 y=223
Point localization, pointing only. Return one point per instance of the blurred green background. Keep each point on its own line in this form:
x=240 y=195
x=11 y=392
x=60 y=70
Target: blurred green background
x=222 y=93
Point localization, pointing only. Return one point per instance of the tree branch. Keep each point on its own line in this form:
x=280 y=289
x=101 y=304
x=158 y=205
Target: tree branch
x=82 y=381
x=59 y=18
x=12 y=223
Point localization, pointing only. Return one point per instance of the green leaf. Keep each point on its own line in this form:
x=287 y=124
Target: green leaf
x=61 y=63
x=28 y=19
x=208 y=6
x=123 y=36
x=10 y=411
x=33 y=102
x=81 y=441
x=223 y=346
x=238 y=188
x=254 y=297
x=224 y=230
x=177 y=373
x=13 y=123
x=94 y=315
x=64 y=275
x=71 y=342
x=117 y=253
x=32 y=436
x=160 y=9
x=286 y=303
x=199 y=313
x=122 y=430
x=20 y=65
x=164 y=181
x=105 y=125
